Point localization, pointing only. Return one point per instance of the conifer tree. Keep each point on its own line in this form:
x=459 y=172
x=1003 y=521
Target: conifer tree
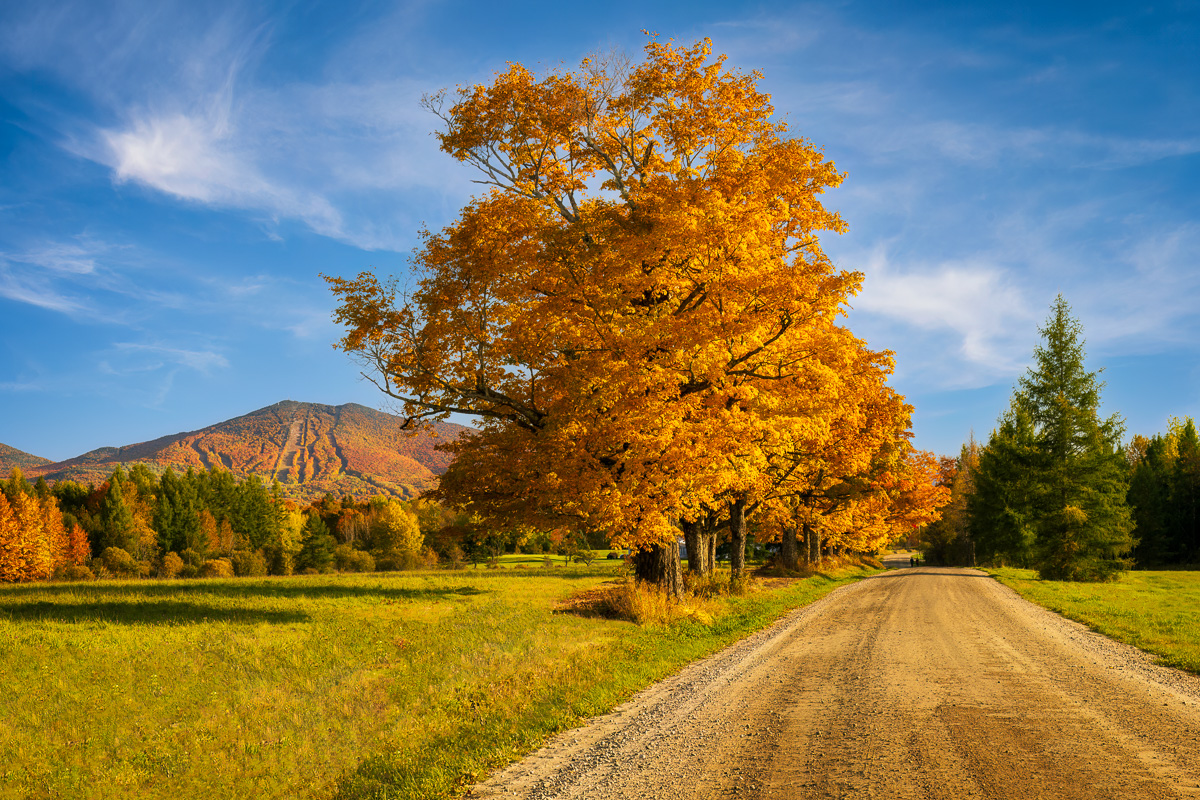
x=1080 y=517
x=316 y=548
x=1152 y=468
x=116 y=518
x=1184 y=503
x=1000 y=509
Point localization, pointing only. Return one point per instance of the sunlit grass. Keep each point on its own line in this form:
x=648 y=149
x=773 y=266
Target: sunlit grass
x=1156 y=611
x=397 y=685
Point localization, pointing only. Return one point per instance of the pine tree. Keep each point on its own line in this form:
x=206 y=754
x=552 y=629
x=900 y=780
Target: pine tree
x=1149 y=493
x=1001 y=509
x=1183 y=509
x=316 y=548
x=116 y=518
x=1080 y=517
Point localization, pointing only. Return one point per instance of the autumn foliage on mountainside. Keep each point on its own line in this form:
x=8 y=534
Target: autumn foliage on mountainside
x=347 y=449
x=11 y=457
x=640 y=314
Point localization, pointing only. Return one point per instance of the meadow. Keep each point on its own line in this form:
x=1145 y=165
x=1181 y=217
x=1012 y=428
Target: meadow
x=1152 y=610
x=353 y=686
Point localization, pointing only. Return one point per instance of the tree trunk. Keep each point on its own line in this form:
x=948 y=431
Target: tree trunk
x=814 y=545
x=697 y=549
x=712 y=551
x=737 y=538
x=659 y=564
x=789 y=553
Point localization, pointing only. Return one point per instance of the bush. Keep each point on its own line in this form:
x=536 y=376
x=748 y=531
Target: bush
x=189 y=571
x=118 y=562
x=216 y=568
x=192 y=558
x=248 y=563
x=73 y=572
x=359 y=561
x=170 y=566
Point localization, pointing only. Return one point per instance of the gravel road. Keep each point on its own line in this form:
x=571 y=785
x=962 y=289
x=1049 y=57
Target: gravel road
x=915 y=683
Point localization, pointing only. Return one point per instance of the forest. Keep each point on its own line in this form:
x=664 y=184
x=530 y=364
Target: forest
x=206 y=523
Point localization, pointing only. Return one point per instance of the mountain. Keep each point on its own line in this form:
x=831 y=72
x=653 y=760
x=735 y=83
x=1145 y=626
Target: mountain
x=12 y=457
x=310 y=448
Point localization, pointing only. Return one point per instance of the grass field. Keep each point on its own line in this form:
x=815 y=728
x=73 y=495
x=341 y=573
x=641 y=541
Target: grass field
x=378 y=685
x=1156 y=611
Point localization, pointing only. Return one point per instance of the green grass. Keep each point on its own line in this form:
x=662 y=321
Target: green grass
x=381 y=685
x=1158 y=612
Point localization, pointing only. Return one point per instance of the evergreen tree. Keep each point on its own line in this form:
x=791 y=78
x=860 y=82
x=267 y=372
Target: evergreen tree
x=1080 y=517
x=1184 y=503
x=116 y=518
x=1149 y=494
x=1000 y=509
x=177 y=515
x=316 y=548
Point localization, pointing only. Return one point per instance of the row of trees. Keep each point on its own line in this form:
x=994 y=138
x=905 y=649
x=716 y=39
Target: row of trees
x=197 y=523
x=1164 y=494
x=640 y=316
x=209 y=524
x=1050 y=488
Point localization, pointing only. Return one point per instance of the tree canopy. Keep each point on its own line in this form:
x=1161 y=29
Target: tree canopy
x=638 y=310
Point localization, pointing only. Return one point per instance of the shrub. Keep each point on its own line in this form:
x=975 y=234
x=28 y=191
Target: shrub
x=170 y=566
x=73 y=572
x=248 y=563
x=359 y=561
x=118 y=562
x=189 y=571
x=192 y=558
x=216 y=568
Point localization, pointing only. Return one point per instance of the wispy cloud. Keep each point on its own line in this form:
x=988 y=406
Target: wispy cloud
x=979 y=306
x=204 y=361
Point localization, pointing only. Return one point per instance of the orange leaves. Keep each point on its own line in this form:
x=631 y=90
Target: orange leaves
x=639 y=310
x=33 y=541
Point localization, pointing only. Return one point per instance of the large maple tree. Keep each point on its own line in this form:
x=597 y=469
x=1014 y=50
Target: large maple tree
x=638 y=310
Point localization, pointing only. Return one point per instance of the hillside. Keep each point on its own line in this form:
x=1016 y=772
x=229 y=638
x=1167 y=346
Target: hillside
x=310 y=448
x=12 y=457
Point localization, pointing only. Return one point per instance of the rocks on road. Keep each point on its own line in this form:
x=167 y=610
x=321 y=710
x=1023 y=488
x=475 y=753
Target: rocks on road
x=915 y=683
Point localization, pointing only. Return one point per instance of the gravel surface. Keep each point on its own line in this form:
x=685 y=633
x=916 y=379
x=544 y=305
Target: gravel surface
x=915 y=683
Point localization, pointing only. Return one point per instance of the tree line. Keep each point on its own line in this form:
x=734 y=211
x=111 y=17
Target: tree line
x=640 y=316
x=1055 y=489
x=209 y=524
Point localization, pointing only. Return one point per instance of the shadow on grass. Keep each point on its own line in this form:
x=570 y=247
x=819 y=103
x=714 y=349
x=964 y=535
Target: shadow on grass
x=148 y=613
x=244 y=588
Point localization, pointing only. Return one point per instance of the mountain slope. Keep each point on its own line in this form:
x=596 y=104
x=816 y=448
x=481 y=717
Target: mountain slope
x=309 y=448
x=12 y=457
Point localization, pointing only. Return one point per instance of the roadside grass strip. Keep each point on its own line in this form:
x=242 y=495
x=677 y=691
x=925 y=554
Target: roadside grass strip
x=386 y=685
x=1156 y=611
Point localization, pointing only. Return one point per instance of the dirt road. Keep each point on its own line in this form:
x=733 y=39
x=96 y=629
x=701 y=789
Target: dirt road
x=916 y=683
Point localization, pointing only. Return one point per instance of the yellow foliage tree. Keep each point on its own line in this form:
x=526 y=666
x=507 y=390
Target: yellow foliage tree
x=396 y=537
x=639 y=310
x=12 y=562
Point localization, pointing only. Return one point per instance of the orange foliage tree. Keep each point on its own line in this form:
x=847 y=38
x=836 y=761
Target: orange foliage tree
x=638 y=311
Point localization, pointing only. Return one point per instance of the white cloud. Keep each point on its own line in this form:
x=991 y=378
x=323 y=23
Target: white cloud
x=977 y=303
x=35 y=290
x=195 y=159
x=204 y=361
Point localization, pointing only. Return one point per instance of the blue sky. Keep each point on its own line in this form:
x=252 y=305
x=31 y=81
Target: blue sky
x=174 y=176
